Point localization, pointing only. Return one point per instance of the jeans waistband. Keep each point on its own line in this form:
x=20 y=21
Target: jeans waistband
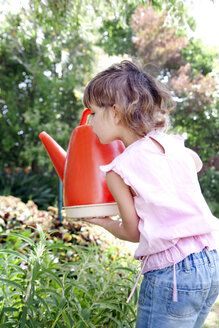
x=195 y=259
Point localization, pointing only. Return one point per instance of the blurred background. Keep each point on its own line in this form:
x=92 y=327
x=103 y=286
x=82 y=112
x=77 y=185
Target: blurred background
x=50 y=49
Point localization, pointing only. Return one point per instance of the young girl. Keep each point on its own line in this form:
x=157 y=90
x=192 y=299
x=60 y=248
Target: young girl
x=154 y=182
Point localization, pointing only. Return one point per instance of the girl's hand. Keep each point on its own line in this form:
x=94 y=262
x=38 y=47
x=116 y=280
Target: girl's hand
x=100 y=220
x=127 y=229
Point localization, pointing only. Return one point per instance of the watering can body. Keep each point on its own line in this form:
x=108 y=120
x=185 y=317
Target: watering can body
x=85 y=189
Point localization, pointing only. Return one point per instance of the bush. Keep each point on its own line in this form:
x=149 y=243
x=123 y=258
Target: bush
x=28 y=185
x=49 y=284
x=210 y=187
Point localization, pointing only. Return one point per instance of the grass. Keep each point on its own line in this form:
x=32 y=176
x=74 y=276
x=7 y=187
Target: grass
x=212 y=320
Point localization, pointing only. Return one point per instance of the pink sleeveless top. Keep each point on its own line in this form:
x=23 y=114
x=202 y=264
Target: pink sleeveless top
x=175 y=220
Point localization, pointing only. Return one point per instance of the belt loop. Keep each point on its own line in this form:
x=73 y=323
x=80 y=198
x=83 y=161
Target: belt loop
x=208 y=255
x=187 y=264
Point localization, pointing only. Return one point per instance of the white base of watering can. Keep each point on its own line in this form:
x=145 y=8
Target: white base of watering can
x=89 y=211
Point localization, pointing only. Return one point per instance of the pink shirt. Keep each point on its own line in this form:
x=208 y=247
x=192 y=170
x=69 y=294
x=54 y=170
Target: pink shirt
x=175 y=219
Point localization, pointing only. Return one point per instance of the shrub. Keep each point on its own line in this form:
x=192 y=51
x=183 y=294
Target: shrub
x=210 y=188
x=28 y=185
x=49 y=284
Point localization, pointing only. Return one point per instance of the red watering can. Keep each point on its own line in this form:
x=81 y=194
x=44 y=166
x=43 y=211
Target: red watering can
x=85 y=189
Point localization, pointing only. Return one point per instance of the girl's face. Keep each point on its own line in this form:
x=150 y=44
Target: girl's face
x=103 y=124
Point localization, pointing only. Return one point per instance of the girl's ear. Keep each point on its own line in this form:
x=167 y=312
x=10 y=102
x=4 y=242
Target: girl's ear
x=116 y=114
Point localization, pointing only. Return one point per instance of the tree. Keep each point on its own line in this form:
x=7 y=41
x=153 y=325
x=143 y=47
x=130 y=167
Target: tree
x=46 y=57
x=156 y=36
x=188 y=68
x=43 y=60
x=155 y=41
x=117 y=36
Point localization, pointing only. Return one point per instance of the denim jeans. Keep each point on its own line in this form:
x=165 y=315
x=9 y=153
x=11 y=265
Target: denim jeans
x=197 y=278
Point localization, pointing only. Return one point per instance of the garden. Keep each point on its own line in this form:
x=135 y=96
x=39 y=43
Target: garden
x=61 y=273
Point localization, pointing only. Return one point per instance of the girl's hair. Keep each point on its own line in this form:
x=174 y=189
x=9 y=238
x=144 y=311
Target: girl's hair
x=141 y=99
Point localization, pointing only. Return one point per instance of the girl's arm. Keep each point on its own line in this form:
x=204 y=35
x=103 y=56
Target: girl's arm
x=128 y=228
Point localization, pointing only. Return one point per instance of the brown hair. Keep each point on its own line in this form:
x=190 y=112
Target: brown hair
x=142 y=100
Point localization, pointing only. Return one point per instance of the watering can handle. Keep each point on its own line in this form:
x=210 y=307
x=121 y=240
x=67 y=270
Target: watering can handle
x=84 y=116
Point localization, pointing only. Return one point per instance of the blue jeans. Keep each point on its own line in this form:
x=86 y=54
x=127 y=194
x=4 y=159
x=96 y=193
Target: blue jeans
x=197 y=278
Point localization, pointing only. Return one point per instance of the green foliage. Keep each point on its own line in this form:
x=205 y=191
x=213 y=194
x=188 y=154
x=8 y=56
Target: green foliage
x=201 y=58
x=38 y=187
x=201 y=129
x=203 y=140
x=44 y=58
x=116 y=35
x=115 y=39
x=50 y=284
x=210 y=187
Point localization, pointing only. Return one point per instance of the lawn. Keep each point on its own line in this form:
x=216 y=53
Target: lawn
x=213 y=317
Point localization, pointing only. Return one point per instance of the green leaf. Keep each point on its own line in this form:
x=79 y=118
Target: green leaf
x=48 y=291
x=43 y=302
x=85 y=313
x=78 y=286
x=9 y=309
x=32 y=321
x=23 y=317
x=117 y=322
x=107 y=305
x=12 y=283
x=62 y=303
x=125 y=269
x=36 y=270
x=25 y=238
x=68 y=320
x=53 y=276
x=15 y=253
x=17 y=269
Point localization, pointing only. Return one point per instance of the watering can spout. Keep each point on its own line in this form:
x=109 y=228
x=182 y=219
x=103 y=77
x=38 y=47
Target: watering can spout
x=56 y=153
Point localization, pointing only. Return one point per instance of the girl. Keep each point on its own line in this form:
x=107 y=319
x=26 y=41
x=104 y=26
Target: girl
x=154 y=182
